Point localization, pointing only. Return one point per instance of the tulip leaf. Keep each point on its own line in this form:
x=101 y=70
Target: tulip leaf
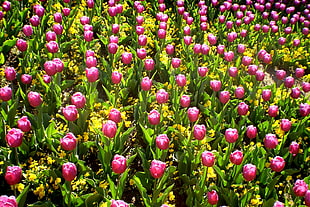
x=121 y=184
x=2 y=59
x=142 y=191
x=112 y=187
x=147 y=134
x=92 y=198
x=221 y=174
x=22 y=197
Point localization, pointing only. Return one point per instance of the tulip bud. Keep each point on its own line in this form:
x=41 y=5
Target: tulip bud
x=197 y=48
x=118 y=203
x=185 y=101
x=243 y=108
x=259 y=75
x=241 y=48
x=162 y=141
x=84 y=20
x=212 y=197
x=180 y=80
x=115 y=115
x=224 y=97
x=26 y=79
x=277 y=164
x=68 y=142
x=6 y=6
x=154 y=117
x=304 y=109
x=88 y=35
x=142 y=40
x=90 y=3
x=215 y=85
x=229 y=56
x=199 y=131
x=66 y=11
x=233 y=71
x=307 y=198
x=141 y=53
x=10 y=73
x=34 y=20
x=285 y=125
x=115 y=28
x=139 y=30
x=220 y=49
x=57 y=17
x=78 y=99
x=176 y=62
x=266 y=94
x=162 y=96
x=119 y=164
x=157 y=168
x=236 y=157
x=273 y=110
x=70 y=112
x=126 y=57
x=46 y=78
x=231 y=135
x=112 y=48
x=252 y=69
x=251 y=132
x=207 y=158
x=278 y=204
x=205 y=49
x=289 y=82
x=149 y=64
x=24 y=124
x=299 y=72
x=294 y=148
x=92 y=74
x=50 y=68
x=300 y=187
x=169 y=49
x=246 y=60
x=8 y=201
x=249 y=172
x=280 y=74
x=202 y=71
x=212 y=39
x=21 y=45
x=109 y=129
x=270 y=141
x=193 y=114
x=50 y=36
x=69 y=171
x=12 y=176
x=27 y=30
x=52 y=46
x=239 y=92
x=38 y=10
x=146 y=84
x=161 y=33
x=113 y=39
x=34 y=99
x=14 y=137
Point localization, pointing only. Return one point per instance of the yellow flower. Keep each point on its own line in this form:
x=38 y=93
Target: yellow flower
x=171 y=196
x=20 y=187
x=103 y=184
x=39 y=191
x=32 y=177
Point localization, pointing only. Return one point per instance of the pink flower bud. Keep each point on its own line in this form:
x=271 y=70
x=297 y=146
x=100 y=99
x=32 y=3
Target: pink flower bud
x=140 y=20
x=304 y=109
x=92 y=74
x=241 y=48
x=176 y=62
x=139 y=30
x=91 y=61
x=70 y=112
x=204 y=26
x=202 y=71
x=246 y=60
x=205 y=49
x=78 y=99
x=161 y=33
x=58 y=29
x=305 y=87
x=115 y=28
x=187 y=30
x=220 y=49
x=252 y=69
x=118 y=203
x=169 y=49
x=87 y=27
x=163 y=25
x=236 y=157
x=34 y=20
x=10 y=73
x=157 y=168
x=109 y=129
x=6 y=5
x=299 y=72
x=193 y=114
x=215 y=85
x=199 y=131
x=162 y=96
x=46 y=78
x=239 y=92
x=294 y=148
x=26 y=79
x=224 y=97
x=278 y=204
x=181 y=10
x=119 y=8
x=126 y=57
x=90 y=3
x=84 y=20
x=233 y=71
x=154 y=117
x=249 y=172
x=270 y=141
x=180 y=80
x=69 y=171
x=188 y=40
x=88 y=36
x=300 y=187
x=38 y=10
x=162 y=141
x=185 y=101
x=12 y=176
x=197 y=48
x=115 y=115
x=251 y=132
x=266 y=94
x=212 y=39
x=27 y=30
x=57 y=17
x=50 y=36
x=14 y=137
x=141 y=53
x=21 y=45
x=212 y=197
x=222 y=19
x=149 y=64
x=162 y=7
x=8 y=201
x=34 y=99
x=52 y=46
x=229 y=56
x=116 y=77
x=277 y=164
x=146 y=84
x=66 y=11
x=231 y=135
x=24 y=124
x=280 y=74
x=119 y=164
x=50 y=68
x=68 y=142
x=289 y=82
x=58 y=64
x=273 y=110
x=242 y=109
x=207 y=158
x=259 y=75
x=295 y=92
x=112 y=48
x=142 y=40
x=113 y=39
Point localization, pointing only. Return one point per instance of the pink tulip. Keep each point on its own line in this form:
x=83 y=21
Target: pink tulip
x=34 y=20
x=193 y=114
x=278 y=204
x=50 y=68
x=277 y=164
x=50 y=36
x=176 y=62
x=231 y=135
x=212 y=197
x=243 y=108
x=280 y=74
x=180 y=80
x=14 y=137
x=10 y=73
x=202 y=71
x=239 y=92
x=162 y=141
x=294 y=148
x=46 y=78
x=161 y=33
x=169 y=49
x=270 y=141
x=142 y=40
x=259 y=75
x=52 y=46
x=199 y=131
x=289 y=82
x=141 y=53
x=115 y=115
x=27 y=30
x=6 y=201
x=229 y=56
x=249 y=172
x=126 y=57
x=69 y=171
x=119 y=164
x=154 y=117
x=66 y=11
x=266 y=94
x=34 y=99
x=149 y=64
x=157 y=168
x=162 y=96
x=304 y=109
x=12 y=176
x=68 y=142
x=215 y=85
x=185 y=101
x=236 y=157
x=78 y=99
x=70 y=112
x=92 y=74
x=109 y=129
x=118 y=203
x=300 y=187
x=207 y=158
x=224 y=97
x=299 y=72
x=273 y=110
x=21 y=45
x=24 y=124
x=252 y=69
x=146 y=84
x=251 y=132
x=233 y=71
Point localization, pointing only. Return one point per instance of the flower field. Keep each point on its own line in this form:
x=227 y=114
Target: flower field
x=155 y=103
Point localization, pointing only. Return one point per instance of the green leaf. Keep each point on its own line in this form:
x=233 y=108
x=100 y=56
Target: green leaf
x=221 y=174
x=112 y=187
x=147 y=134
x=121 y=184
x=7 y=45
x=92 y=198
x=142 y=191
x=22 y=197
x=2 y=59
